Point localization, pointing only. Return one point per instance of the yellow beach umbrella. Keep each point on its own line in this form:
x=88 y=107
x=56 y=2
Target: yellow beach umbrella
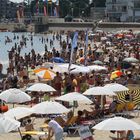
x=45 y=73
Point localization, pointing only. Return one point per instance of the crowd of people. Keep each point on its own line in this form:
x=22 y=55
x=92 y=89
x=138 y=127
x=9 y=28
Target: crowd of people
x=109 y=48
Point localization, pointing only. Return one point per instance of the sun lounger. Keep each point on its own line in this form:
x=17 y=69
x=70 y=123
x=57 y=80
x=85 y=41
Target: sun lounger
x=72 y=127
x=34 y=133
x=29 y=134
x=114 y=138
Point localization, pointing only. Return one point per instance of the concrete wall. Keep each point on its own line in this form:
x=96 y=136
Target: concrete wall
x=119 y=25
x=8 y=26
x=69 y=26
x=72 y=24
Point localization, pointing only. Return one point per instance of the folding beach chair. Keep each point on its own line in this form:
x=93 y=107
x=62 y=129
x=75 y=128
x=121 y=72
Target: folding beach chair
x=70 y=126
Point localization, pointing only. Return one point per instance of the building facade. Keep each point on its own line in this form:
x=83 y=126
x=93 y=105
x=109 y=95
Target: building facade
x=122 y=10
x=97 y=13
x=7 y=9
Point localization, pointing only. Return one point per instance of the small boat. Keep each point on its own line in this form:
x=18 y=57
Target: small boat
x=3 y=30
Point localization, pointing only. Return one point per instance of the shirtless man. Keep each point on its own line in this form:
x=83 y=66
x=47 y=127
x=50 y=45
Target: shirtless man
x=57 y=83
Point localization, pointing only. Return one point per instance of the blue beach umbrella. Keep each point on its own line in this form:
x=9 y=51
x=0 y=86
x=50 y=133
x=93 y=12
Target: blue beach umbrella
x=57 y=60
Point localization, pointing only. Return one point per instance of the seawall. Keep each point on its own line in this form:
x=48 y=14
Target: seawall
x=66 y=26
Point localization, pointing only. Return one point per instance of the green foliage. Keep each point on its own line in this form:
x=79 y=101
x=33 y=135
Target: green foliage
x=73 y=7
x=33 y=6
x=98 y=3
x=66 y=7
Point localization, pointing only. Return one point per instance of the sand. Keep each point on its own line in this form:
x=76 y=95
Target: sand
x=98 y=135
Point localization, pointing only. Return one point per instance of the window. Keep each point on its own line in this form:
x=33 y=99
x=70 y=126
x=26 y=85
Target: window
x=124 y=9
x=113 y=1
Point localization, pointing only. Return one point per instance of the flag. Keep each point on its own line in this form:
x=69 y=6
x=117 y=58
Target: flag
x=55 y=12
x=37 y=7
x=74 y=41
x=45 y=7
x=57 y=7
x=73 y=46
x=45 y=10
x=86 y=46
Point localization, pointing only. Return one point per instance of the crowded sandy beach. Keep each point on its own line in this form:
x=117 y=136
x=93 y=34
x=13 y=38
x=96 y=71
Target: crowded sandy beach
x=63 y=84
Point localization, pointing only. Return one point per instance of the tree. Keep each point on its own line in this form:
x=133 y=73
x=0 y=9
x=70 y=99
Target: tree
x=73 y=7
x=98 y=3
x=32 y=7
x=66 y=7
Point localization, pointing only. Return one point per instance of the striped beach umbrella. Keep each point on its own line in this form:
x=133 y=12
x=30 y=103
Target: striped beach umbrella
x=134 y=95
x=115 y=74
x=45 y=73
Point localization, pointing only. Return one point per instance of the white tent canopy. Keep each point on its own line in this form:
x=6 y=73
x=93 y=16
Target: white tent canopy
x=41 y=87
x=97 y=68
x=82 y=69
x=14 y=95
x=7 y=125
x=116 y=87
x=99 y=91
x=18 y=112
x=61 y=68
x=118 y=124
x=49 y=107
x=74 y=96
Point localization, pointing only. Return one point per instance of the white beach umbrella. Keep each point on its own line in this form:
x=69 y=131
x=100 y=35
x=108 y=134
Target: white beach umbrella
x=79 y=69
x=99 y=31
x=98 y=62
x=48 y=65
x=18 y=112
x=97 y=68
x=14 y=95
x=117 y=124
x=99 y=50
x=41 y=87
x=116 y=87
x=7 y=124
x=103 y=38
x=131 y=60
x=99 y=91
x=61 y=68
x=49 y=107
x=74 y=96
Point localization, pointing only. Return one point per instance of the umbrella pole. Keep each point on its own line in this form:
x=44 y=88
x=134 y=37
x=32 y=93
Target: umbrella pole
x=13 y=105
x=102 y=104
x=18 y=129
x=117 y=135
x=73 y=107
x=20 y=133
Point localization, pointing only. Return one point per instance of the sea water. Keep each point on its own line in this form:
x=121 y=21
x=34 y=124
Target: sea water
x=38 y=46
